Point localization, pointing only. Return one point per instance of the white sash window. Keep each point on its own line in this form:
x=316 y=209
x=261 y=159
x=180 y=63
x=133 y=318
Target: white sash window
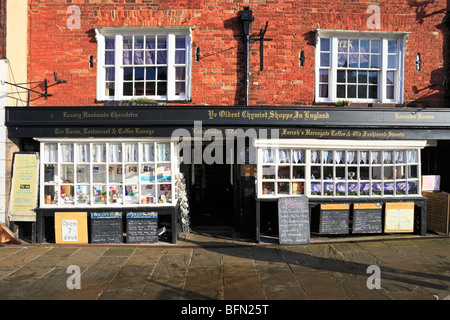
x=143 y=63
x=362 y=67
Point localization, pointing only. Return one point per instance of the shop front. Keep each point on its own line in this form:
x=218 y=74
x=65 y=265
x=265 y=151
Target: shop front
x=134 y=173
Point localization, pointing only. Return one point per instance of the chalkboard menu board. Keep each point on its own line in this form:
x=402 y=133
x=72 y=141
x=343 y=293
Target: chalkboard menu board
x=334 y=218
x=106 y=227
x=293 y=220
x=367 y=218
x=142 y=227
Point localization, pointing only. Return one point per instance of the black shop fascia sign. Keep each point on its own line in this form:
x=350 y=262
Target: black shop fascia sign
x=265 y=121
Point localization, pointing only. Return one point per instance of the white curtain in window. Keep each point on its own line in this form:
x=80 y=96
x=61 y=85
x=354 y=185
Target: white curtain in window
x=268 y=156
x=148 y=152
x=399 y=156
x=130 y=152
x=299 y=156
x=315 y=156
x=351 y=157
x=67 y=152
x=50 y=152
x=375 y=157
x=283 y=156
x=387 y=156
x=98 y=153
x=411 y=156
x=83 y=153
x=364 y=155
x=340 y=156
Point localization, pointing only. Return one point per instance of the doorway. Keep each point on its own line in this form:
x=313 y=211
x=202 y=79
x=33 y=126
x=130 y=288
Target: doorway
x=212 y=195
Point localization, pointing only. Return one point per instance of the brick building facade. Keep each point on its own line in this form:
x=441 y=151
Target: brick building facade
x=62 y=39
x=123 y=93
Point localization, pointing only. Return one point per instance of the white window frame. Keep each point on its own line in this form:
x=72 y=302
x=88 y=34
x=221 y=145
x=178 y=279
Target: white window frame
x=334 y=35
x=118 y=33
x=305 y=181
x=76 y=161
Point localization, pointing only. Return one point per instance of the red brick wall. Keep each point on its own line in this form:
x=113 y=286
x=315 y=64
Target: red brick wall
x=217 y=79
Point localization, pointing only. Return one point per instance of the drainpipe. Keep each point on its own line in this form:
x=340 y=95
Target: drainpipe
x=247 y=18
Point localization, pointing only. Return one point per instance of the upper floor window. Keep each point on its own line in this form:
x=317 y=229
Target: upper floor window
x=361 y=67
x=147 y=63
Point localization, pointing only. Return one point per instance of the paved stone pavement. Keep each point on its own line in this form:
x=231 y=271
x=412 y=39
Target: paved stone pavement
x=202 y=267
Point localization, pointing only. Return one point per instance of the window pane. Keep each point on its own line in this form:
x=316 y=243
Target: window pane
x=149 y=57
x=139 y=57
x=128 y=43
x=324 y=44
x=139 y=88
x=341 y=91
x=390 y=77
x=138 y=42
x=364 y=61
x=162 y=89
x=353 y=60
x=392 y=61
x=362 y=92
x=351 y=91
x=373 y=92
x=150 y=73
x=150 y=42
x=364 y=46
x=110 y=74
x=162 y=43
x=323 y=90
x=139 y=74
x=180 y=88
x=127 y=58
x=150 y=88
x=351 y=76
x=362 y=76
x=324 y=59
x=109 y=43
x=392 y=46
x=109 y=57
x=323 y=76
x=373 y=77
x=180 y=57
x=389 y=92
x=342 y=60
x=162 y=57
x=375 y=46
x=342 y=45
x=127 y=88
x=128 y=73
x=180 y=42
x=341 y=76
x=110 y=89
x=162 y=73
x=353 y=45
x=180 y=73
x=375 y=61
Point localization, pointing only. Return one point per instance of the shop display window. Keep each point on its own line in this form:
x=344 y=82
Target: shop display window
x=107 y=173
x=338 y=173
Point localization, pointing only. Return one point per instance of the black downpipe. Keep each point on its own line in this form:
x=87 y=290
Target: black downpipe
x=246 y=18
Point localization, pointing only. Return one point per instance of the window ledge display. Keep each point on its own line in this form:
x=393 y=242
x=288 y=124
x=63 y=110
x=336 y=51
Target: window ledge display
x=86 y=173
x=339 y=169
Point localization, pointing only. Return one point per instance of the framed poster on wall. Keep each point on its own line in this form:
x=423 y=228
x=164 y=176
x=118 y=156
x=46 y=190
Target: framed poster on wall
x=24 y=187
x=399 y=217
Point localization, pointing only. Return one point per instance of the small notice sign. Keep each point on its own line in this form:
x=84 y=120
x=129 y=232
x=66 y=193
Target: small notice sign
x=69 y=230
x=399 y=217
x=24 y=190
x=71 y=227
